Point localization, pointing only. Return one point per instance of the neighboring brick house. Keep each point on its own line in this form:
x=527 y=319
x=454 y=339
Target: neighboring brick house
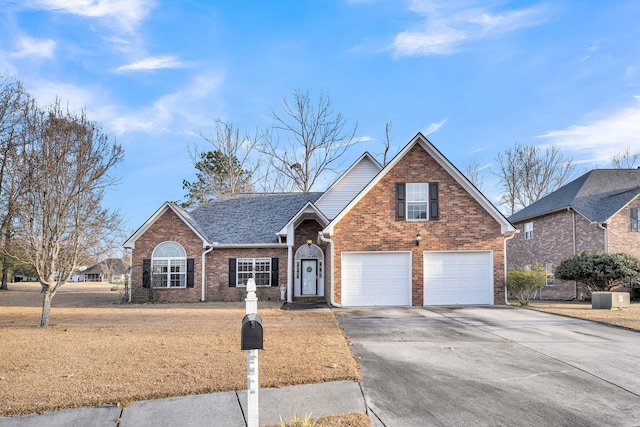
x=597 y=212
x=415 y=232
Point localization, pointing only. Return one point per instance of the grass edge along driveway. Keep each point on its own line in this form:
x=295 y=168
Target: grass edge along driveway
x=629 y=319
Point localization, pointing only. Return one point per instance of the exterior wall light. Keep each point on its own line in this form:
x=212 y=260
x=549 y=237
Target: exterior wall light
x=418 y=239
x=309 y=242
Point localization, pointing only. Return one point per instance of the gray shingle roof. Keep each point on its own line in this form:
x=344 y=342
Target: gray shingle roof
x=108 y=266
x=248 y=218
x=597 y=195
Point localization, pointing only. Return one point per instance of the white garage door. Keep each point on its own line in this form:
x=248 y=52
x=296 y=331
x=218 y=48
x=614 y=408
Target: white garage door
x=376 y=278
x=458 y=277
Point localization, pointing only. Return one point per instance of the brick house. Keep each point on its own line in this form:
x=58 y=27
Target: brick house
x=597 y=212
x=415 y=232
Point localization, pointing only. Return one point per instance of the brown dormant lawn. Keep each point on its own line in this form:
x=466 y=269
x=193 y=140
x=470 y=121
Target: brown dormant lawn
x=97 y=351
x=629 y=319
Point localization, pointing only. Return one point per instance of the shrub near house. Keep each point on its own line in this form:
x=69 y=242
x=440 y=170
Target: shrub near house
x=524 y=283
x=600 y=271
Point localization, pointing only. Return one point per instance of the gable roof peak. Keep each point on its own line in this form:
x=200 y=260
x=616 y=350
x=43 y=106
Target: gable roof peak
x=425 y=144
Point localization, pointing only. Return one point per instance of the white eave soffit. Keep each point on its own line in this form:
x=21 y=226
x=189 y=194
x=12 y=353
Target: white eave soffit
x=131 y=242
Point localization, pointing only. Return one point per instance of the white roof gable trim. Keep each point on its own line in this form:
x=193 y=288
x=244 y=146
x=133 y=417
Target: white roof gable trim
x=505 y=225
x=131 y=242
x=314 y=207
x=309 y=208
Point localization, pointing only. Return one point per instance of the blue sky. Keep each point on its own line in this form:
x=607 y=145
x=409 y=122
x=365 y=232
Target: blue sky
x=474 y=76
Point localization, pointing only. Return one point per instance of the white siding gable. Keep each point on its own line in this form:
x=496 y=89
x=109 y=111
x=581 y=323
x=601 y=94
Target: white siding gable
x=348 y=186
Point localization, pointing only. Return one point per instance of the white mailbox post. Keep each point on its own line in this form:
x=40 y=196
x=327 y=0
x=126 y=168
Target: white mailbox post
x=252 y=362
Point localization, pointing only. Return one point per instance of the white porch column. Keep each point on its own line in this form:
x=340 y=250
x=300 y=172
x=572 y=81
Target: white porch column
x=289 y=273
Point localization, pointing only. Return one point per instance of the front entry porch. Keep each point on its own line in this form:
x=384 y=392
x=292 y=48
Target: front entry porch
x=308 y=273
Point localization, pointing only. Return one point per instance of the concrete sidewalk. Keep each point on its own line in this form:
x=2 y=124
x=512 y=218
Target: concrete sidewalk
x=217 y=409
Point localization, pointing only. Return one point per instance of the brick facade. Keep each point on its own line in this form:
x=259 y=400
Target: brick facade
x=463 y=224
x=620 y=237
x=169 y=227
x=217 y=276
x=307 y=230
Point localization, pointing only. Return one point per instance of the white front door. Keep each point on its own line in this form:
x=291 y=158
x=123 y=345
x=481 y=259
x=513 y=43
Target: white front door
x=309 y=277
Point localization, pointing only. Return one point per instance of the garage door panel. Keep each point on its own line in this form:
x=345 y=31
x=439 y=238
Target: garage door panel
x=458 y=277
x=370 y=278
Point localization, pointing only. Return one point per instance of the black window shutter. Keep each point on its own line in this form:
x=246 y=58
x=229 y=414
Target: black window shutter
x=232 y=272
x=146 y=273
x=434 y=208
x=274 y=271
x=401 y=199
x=190 y=265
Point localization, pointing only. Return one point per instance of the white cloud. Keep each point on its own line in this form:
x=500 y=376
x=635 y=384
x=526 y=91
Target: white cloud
x=447 y=25
x=30 y=47
x=363 y=138
x=597 y=141
x=128 y=13
x=591 y=49
x=69 y=95
x=152 y=63
x=433 y=127
x=185 y=109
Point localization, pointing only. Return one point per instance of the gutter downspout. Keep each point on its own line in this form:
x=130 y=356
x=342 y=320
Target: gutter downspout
x=606 y=236
x=330 y=242
x=130 y=274
x=506 y=299
x=209 y=249
x=573 y=218
x=289 y=274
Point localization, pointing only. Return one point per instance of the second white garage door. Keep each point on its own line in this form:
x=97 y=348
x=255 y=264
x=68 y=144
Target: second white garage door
x=458 y=277
x=376 y=278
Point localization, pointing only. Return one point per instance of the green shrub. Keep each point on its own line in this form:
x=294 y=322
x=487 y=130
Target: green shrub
x=600 y=271
x=524 y=283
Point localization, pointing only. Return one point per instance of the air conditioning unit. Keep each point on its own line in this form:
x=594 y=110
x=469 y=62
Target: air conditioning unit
x=610 y=300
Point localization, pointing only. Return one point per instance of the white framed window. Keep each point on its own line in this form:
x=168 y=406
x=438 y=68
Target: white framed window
x=417 y=200
x=550 y=269
x=169 y=266
x=258 y=269
x=635 y=220
x=528 y=230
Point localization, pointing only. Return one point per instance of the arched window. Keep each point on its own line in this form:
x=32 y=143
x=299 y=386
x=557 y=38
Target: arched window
x=169 y=266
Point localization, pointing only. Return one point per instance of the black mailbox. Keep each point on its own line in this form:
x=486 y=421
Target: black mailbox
x=251 y=335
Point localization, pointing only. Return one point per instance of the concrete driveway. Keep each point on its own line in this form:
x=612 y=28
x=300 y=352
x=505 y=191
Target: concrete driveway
x=493 y=366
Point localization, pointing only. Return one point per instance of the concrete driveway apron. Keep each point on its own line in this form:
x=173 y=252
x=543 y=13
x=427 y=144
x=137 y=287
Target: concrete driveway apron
x=493 y=366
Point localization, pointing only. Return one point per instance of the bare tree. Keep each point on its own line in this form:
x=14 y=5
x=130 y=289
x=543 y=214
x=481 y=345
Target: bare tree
x=315 y=138
x=387 y=142
x=13 y=101
x=625 y=159
x=271 y=180
x=473 y=172
x=227 y=168
x=68 y=164
x=528 y=173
